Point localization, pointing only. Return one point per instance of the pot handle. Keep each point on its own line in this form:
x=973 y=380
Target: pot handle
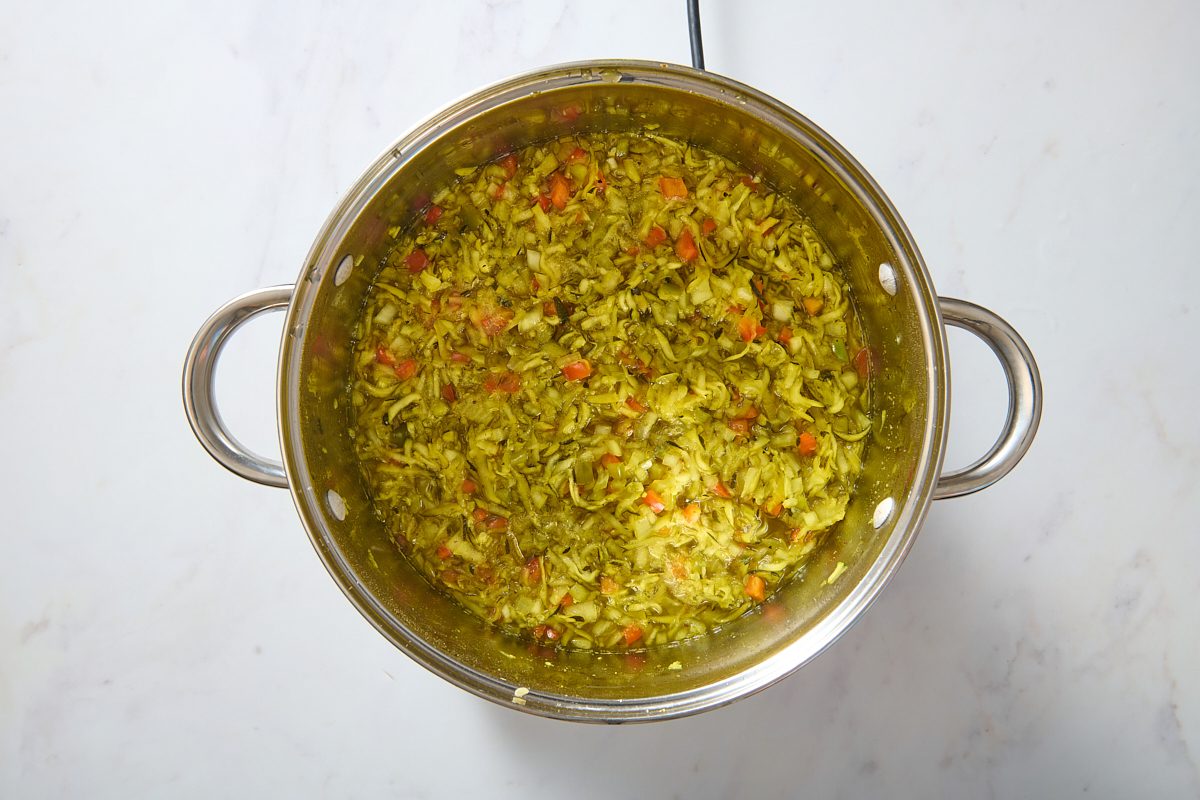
x=199 y=398
x=1024 y=398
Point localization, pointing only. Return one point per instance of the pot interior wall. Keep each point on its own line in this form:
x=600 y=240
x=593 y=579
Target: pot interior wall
x=794 y=159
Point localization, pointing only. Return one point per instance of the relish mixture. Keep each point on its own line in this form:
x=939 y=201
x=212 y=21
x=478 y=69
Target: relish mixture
x=609 y=391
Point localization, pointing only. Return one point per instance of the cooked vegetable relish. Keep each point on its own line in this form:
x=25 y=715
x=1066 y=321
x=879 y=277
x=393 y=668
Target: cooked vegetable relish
x=609 y=391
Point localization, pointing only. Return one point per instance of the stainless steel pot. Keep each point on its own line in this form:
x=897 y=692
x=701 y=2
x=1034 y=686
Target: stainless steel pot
x=902 y=316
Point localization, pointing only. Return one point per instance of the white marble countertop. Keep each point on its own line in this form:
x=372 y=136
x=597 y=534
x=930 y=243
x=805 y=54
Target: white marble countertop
x=167 y=631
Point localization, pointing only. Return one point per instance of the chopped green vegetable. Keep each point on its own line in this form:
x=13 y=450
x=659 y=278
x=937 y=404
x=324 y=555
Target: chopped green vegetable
x=602 y=395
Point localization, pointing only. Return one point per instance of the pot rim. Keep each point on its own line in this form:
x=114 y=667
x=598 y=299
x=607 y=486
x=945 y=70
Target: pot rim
x=909 y=514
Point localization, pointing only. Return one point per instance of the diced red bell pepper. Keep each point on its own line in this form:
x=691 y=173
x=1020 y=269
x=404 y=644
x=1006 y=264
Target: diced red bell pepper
x=494 y=321
x=685 y=246
x=560 y=191
x=505 y=381
x=417 y=260
x=577 y=370
x=509 y=165
x=862 y=362
x=749 y=328
x=533 y=569
x=406 y=369
x=672 y=188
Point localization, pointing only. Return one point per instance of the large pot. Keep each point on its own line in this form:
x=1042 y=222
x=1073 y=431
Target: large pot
x=902 y=317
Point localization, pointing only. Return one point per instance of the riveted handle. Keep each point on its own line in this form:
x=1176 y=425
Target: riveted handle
x=199 y=397
x=1024 y=398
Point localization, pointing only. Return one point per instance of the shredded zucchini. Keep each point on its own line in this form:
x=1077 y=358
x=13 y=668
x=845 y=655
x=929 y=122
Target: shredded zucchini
x=602 y=394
